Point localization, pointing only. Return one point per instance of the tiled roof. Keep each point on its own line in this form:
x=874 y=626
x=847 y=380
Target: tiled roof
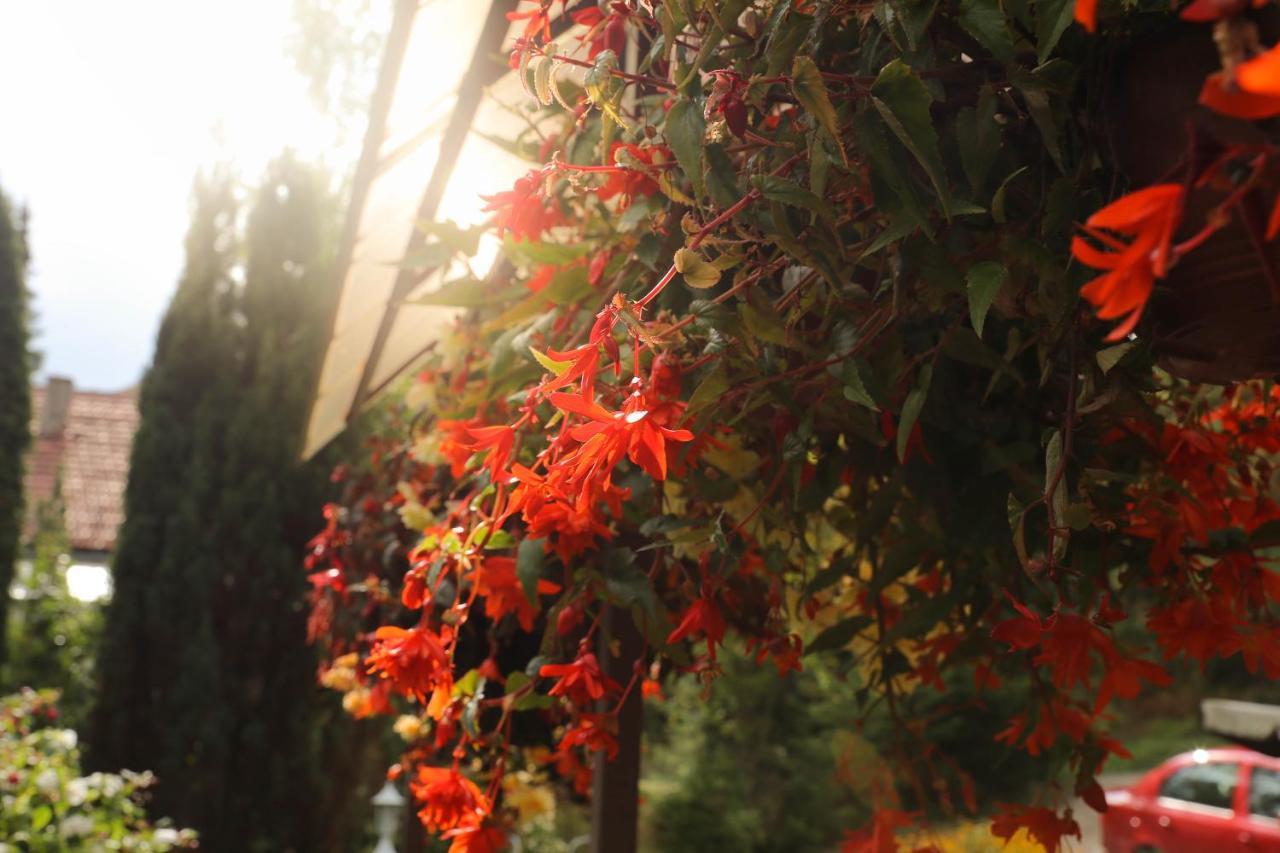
x=92 y=453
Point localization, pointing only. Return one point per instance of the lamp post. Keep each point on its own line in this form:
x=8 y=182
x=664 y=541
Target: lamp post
x=388 y=811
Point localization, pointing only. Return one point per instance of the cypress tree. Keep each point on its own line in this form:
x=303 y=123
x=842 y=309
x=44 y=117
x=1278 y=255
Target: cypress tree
x=15 y=400
x=208 y=624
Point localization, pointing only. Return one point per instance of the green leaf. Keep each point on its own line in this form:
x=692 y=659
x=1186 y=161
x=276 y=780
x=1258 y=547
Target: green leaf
x=983 y=281
x=786 y=32
x=855 y=391
x=1052 y=465
x=838 y=635
x=542 y=79
x=978 y=139
x=685 y=131
x=697 y=272
x=553 y=366
x=1111 y=356
x=985 y=21
x=530 y=558
x=40 y=817
x=811 y=92
x=790 y=193
x=625 y=583
x=911 y=409
x=903 y=101
x=709 y=390
x=997 y=201
x=1017 y=514
x=1052 y=19
x=838 y=569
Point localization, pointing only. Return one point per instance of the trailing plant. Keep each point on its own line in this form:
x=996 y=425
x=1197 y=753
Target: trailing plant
x=787 y=342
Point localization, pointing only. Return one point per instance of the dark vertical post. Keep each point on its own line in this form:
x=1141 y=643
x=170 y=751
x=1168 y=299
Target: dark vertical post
x=615 y=794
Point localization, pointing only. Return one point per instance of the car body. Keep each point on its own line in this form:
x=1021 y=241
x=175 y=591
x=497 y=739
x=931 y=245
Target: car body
x=1204 y=800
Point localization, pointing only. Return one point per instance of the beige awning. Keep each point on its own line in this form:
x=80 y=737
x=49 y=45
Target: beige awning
x=1247 y=721
x=441 y=91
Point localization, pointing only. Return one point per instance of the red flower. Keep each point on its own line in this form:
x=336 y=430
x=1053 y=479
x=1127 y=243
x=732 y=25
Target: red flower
x=1087 y=14
x=497 y=582
x=604 y=32
x=523 y=209
x=591 y=732
x=413 y=660
x=1149 y=217
x=581 y=681
x=498 y=440
x=702 y=618
x=449 y=799
x=612 y=434
x=1044 y=825
x=627 y=181
x=1224 y=94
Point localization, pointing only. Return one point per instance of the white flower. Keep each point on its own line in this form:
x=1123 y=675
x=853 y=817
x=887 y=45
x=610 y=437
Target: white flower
x=66 y=739
x=76 y=825
x=47 y=782
x=165 y=835
x=77 y=791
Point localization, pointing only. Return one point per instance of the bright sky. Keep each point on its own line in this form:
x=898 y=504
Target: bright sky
x=109 y=110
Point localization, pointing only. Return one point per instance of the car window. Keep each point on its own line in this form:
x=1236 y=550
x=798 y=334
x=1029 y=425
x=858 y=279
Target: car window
x=1205 y=784
x=1264 y=793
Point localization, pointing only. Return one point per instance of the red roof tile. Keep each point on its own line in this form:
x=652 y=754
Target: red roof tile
x=92 y=454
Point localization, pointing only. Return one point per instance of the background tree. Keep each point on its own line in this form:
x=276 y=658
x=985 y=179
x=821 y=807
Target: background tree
x=53 y=636
x=15 y=399
x=205 y=669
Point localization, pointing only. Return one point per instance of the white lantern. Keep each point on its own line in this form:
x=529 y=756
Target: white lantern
x=388 y=813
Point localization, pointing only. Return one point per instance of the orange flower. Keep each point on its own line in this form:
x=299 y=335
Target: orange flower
x=476 y=838
x=1149 y=218
x=414 y=660
x=1225 y=96
x=449 y=799
x=497 y=582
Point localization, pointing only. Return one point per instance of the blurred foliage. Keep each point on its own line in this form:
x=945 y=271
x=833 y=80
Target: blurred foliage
x=758 y=764
x=53 y=636
x=47 y=805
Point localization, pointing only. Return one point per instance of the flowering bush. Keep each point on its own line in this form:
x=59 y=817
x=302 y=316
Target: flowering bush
x=787 y=343
x=46 y=805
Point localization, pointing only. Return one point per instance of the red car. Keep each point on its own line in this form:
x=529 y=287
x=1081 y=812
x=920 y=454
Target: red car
x=1206 y=800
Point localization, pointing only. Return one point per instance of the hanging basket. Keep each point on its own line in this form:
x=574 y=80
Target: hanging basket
x=1216 y=316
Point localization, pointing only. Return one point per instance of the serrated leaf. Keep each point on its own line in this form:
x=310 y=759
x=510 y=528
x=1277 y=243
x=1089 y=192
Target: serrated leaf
x=697 y=272
x=556 y=367
x=530 y=558
x=686 y=129
x=1017 y=525
x=838 y=635
x=903 y=102
x=811 y=92
x=1052 y=465
x=983 y=282
x=986 y=22
x=911 y=409
x=855 y=391
x=978 y=139
x=997 y=201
